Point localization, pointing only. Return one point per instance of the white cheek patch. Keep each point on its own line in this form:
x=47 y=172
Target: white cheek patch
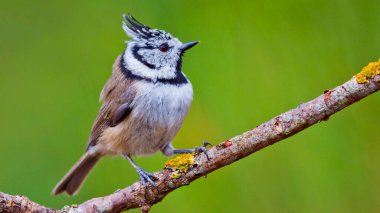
x=151 y=56
x=160 y=59
x=138 y=68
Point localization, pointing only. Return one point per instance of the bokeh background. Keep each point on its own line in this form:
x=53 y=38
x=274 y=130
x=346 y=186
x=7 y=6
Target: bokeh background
x=256 y=59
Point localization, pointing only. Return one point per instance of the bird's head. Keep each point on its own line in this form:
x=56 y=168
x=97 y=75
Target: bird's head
x=152 y=54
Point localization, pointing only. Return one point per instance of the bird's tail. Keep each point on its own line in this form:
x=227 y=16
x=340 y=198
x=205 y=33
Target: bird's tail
x=73 y=180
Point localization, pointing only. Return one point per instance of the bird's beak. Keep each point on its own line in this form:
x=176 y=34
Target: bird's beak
x=188 y=45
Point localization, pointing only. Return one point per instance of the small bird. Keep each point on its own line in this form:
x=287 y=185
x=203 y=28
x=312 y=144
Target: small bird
x=144 y=103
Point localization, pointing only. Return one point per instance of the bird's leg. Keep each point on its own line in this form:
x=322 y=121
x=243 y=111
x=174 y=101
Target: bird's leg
x=144 y=176
x=169 y=150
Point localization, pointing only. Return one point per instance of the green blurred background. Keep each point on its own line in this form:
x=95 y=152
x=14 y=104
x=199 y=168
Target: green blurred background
x=256 y=59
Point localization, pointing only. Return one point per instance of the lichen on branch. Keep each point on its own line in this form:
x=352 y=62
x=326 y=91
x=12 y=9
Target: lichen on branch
x=368 y=72
x=180 y=164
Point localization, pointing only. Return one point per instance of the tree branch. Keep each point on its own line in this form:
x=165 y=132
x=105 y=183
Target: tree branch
x=10 y=203
x=184 y=169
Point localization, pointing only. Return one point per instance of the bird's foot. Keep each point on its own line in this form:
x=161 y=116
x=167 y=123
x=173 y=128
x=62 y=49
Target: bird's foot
x=203 y=149
x=197 y=149
x=146 y=177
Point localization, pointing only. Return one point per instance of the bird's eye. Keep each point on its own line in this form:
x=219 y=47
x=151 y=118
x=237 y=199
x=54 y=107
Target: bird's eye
x=163 y=47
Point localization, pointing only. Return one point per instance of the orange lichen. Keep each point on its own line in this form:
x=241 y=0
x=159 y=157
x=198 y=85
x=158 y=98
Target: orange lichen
x=368 y=72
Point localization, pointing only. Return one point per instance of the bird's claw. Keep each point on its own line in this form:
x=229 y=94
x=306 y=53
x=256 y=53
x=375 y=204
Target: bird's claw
x=146 y=177
x=203 y=149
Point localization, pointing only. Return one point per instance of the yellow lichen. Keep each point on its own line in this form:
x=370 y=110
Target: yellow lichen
x=175 y=175
x=368 y=72
x=181 y=162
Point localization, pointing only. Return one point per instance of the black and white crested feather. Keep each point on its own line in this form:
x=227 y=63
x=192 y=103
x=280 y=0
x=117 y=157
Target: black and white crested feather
x=137 y=30
x=134 y=28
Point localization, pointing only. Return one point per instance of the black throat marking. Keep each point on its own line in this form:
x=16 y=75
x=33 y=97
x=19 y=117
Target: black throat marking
x=179 y=78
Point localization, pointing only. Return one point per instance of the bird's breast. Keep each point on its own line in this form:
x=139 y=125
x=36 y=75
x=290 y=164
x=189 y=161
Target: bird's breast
x=162 y=104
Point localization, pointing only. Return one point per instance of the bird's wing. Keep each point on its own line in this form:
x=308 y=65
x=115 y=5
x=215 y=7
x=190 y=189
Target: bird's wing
x=101 y=123
x=117 y=95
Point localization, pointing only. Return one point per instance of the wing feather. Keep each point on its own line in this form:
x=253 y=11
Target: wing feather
x=118 y=92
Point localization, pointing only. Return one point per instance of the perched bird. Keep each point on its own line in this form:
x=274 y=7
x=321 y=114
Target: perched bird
x=144 y=103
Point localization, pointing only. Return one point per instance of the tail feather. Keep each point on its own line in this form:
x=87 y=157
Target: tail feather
x=73 y=180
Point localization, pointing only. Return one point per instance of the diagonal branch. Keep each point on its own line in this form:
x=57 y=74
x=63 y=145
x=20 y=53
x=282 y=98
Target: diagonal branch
x=184 y=169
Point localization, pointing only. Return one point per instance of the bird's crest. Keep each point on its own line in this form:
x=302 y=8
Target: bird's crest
x=138 y=31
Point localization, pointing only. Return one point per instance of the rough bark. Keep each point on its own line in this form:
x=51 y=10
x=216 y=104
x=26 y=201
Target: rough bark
x=15 y=204
x=187 y=168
